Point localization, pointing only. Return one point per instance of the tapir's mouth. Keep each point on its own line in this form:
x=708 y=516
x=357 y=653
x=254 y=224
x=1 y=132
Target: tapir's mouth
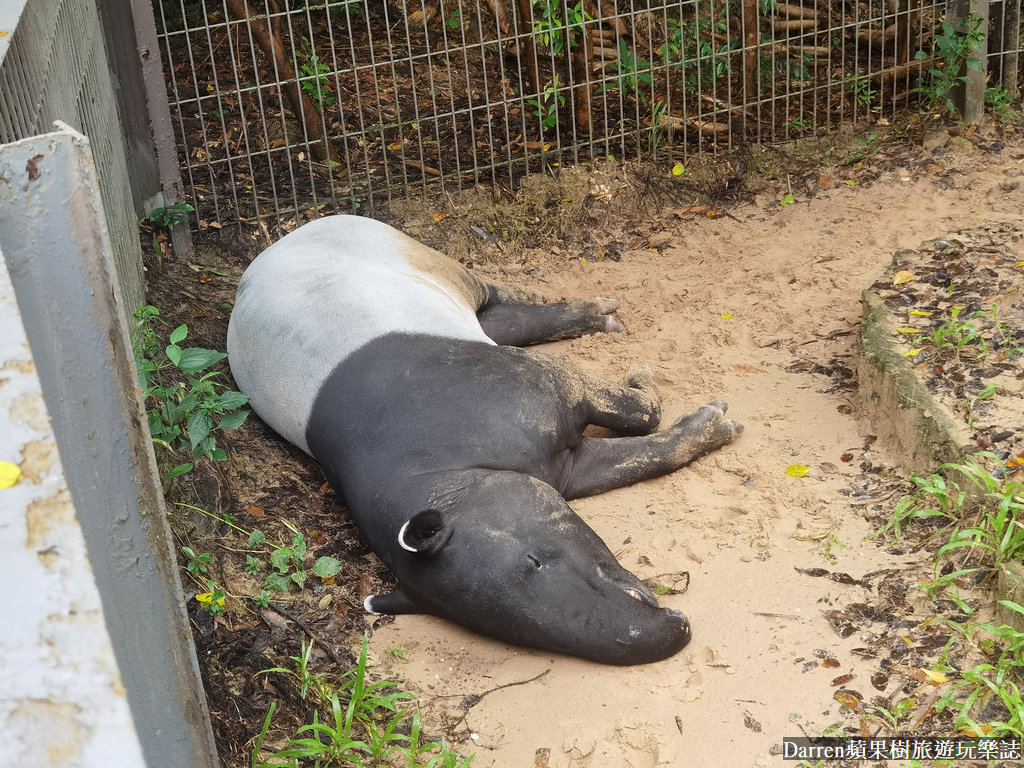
x=641 y=597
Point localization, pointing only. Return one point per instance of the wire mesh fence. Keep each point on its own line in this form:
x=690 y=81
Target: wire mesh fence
x=284 y=107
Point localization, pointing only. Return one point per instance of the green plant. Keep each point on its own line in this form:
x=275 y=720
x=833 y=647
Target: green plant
x=454 y=20
x=956 y=335
x=798 y=124
x=934 y=497
x=893 y=716
x=999 y=526
x=630 y=70
x=314 y=79
x=954 y=50
x=197 y=564
x=860 y=88
x=863 y=147
x=998 y=678
x=659 y=126
x=183 y=415
x=971 y=401
x=556 y=20
x=1000 y=101
x=213 y=600
x=166 y=218
x=363 y=720
x=699 y=48
x=289 y=562
x=546 y=105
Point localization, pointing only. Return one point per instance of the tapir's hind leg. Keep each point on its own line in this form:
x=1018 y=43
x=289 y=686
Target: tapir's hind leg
x=600 y=464
x=519 y=318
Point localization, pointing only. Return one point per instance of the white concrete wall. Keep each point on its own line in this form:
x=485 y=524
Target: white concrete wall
x=62 y=702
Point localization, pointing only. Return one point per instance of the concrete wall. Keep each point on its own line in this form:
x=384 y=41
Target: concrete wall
x=59 y=258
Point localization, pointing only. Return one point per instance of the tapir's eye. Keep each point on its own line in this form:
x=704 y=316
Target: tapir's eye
x=534 y=560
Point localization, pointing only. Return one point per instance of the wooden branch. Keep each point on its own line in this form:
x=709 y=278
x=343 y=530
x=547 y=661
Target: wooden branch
x=794 y=25
x=796 y=12
x=301 y=104
x=904 y=70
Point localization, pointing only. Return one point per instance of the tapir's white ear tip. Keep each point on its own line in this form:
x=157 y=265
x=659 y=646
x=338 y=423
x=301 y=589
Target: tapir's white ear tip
x=401 y=538
x=368 y=605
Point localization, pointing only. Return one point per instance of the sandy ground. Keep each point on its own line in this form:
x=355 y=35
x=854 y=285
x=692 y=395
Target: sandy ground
x=740 y=308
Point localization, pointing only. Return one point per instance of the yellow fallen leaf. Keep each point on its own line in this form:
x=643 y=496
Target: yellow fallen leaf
x=901 y=277
x=1019 y=264
x=919 y=313
x=207 y=597
x=935 y=677
x=727 y=316
x=911 y=352
x=797 y=470
x=440 y=216
x=909 y=330
x=10 y=474
x=849 y=701
x=395 y=146
x=678 y=169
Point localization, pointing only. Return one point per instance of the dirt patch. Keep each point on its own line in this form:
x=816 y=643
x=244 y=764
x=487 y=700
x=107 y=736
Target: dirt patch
x=752 y=295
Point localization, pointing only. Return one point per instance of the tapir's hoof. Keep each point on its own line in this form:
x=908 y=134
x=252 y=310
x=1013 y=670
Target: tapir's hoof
x=604 y=308
x=708 y=427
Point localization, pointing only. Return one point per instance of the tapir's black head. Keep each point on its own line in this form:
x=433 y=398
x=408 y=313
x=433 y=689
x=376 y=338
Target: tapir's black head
x=509 y=559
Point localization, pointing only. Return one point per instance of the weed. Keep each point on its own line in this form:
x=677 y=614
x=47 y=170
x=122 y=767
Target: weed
x=1000 y=100
x=213 y=600
x=893 y=716
x=998 y=678
x=288 y=562
x=956 y=335
x=556 y=20
x=971 y=401
x=798 y=124
x=181 y=415
x=364 y=721
x=631 y=72
x=314 y=79
x=955 y=50
x=934 y=497
x=865 y=146
x=197 y=564
x=164 y=219
x=861 y=90
x=546 y=105
x=690 y=48
x=659 y=115
x=454 y=20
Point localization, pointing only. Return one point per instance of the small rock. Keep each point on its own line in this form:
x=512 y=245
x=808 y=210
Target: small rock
x=660 y=239
x=935 y=139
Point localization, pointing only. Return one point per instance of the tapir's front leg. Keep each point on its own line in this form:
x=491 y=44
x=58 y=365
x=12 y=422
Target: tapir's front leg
x=520 y=318
x=600 y=464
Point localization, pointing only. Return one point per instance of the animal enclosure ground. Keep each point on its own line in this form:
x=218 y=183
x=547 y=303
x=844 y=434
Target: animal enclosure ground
x=750 y=293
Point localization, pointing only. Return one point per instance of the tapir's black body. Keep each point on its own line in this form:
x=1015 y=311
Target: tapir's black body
x=455 y=454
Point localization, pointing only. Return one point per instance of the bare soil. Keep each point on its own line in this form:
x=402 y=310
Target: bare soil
x=751 y=295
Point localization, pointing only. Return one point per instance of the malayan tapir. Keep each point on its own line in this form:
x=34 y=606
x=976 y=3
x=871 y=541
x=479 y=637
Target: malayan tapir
x=400 y=371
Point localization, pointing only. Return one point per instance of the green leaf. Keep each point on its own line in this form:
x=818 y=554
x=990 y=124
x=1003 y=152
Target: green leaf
x=299 y=577
x=233 y=420
x=256 y=538
x=196 y=359
x=278 y=582
x=199 y=426
x=218 y=454
x=230 y=400
x=299 y=548
x=178 y=334
x=173 y=352
x=281 y=559
x=325 y=567
x=181 y=469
